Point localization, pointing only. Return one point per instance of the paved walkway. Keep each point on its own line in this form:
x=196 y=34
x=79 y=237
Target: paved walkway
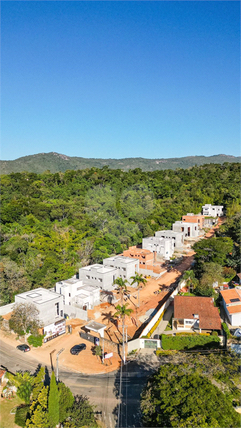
x=165 y=320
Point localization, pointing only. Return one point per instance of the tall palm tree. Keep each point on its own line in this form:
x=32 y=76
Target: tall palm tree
x=122 y=312
x=121 y=286
x=139 y=278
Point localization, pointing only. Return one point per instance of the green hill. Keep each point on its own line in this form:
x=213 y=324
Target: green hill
x=55 y=162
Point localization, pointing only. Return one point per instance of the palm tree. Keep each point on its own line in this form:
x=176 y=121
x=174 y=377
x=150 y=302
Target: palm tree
x=122 y=312
x=139 y=278
x=191 y=281
x=121 y=287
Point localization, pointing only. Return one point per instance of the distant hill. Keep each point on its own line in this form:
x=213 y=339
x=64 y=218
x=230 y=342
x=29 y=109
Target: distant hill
x=55 y=162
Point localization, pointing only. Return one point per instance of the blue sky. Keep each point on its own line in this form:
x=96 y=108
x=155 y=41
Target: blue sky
x=120 y=79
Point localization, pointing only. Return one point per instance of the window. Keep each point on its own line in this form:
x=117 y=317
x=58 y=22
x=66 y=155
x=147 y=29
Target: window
x=57 y=308
x=100 y=279
x=87 y=277
x=188 y=322
x=61 y=313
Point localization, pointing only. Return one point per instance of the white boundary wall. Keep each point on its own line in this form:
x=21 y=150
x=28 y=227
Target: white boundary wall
x=140 y=344
x=161 y=310
x=6 y=309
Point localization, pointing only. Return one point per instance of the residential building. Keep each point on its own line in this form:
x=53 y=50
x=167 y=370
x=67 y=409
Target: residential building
x=49 y=304
x=197 y=313
x=78 y=294
x=125 y=266
x=162 y=247
x=212 y=210
x=176 y=237
x=232 y=305
x=99 y=275
x=144 y=256
x=190 y=230
x=194 y=218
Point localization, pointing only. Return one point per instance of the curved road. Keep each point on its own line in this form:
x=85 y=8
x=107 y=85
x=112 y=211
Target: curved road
x=116 y=395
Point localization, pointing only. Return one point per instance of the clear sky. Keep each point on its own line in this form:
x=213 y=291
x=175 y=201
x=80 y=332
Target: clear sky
x=120 y=79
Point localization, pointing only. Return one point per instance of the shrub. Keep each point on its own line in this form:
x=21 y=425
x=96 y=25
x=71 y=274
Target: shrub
x=35 y=340
x=214 y=333
x=189 y=342
x=226 y=329
x=21 y=415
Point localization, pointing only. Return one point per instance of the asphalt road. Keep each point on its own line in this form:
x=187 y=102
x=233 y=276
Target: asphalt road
x=115 y=395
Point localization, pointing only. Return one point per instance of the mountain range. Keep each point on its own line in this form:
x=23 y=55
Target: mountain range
x=55 y=162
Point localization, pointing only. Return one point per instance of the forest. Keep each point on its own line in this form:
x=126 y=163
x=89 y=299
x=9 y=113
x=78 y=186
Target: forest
x=53 y=224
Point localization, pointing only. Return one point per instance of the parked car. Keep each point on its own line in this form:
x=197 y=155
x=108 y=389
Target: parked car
x=77 y=349
x=23 y=347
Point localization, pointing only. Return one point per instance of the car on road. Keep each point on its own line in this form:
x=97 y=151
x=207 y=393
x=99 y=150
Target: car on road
x=77 y=349
x=23 y=347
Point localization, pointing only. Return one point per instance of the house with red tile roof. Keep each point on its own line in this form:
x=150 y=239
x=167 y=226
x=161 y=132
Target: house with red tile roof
x=197 y=313
x=232 y=305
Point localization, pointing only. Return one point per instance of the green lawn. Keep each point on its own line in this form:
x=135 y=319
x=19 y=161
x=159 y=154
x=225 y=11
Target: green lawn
x=6 y=419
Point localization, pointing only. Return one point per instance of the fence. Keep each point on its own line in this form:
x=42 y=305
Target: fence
x=159 y=313
x=6 y=309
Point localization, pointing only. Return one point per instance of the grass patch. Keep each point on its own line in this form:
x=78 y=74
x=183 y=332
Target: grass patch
x=6 y=419
x=192 y=341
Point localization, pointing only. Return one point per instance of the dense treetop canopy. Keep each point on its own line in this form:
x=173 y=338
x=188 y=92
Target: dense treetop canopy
x=52 y=224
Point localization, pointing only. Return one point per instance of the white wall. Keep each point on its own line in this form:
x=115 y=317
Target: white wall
x=6 y=309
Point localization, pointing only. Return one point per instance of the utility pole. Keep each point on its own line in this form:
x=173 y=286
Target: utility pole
x=57 y=364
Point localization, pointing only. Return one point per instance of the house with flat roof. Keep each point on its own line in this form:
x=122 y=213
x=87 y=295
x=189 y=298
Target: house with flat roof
x=231 y=300
x=125 y=266
x=144 y=256
x=49 y=304
x=212 y=210
x=163 y=247
x=77 y=294
x=190 y=230
x=196 y=313
x=176 y=237
x=99 y=275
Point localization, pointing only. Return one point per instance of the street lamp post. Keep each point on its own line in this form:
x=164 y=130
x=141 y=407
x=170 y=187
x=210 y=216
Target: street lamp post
x=57 y=364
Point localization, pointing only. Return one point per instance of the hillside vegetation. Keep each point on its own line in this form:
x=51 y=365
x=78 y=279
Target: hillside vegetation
x=55 y=162
x=52 y=224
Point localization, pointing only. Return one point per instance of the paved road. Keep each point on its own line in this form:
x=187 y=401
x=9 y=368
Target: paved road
x=116 y=394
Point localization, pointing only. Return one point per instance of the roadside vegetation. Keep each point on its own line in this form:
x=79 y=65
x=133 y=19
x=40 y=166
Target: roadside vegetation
x=44 y=404
x=193 y=391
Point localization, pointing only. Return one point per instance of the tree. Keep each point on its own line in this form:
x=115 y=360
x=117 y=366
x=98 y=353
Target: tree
x=213 y=272
x=98 y=351
x=82 y=414
x=139 y=278
x=122 y=312
x=190 y=279
x=24 y=383
x=66 y=401
x=213 y=250
x=39 y=411
x=121 y=287
x=53 y=402
x=24 y=318
x=177 y=396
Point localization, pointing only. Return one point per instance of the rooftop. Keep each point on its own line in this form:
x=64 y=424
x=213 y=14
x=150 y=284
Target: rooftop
x=122 y=259
x=39 y=295
x=98 y=268
x=231 y=296
x=187 y=306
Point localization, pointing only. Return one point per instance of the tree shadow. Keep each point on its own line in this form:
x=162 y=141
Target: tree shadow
x=130 y=379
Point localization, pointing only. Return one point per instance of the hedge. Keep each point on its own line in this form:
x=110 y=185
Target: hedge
x=226 y=329
x=21 y=415
x=35 y=340
x=180 y=343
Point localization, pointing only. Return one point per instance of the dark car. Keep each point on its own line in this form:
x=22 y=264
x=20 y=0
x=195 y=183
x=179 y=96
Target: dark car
x=24 y=348
x=77 y=349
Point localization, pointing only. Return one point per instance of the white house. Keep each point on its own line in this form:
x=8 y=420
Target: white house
x=125 y=266
x=163 y=247
x=232 y=305
x=176 y=237
x=190 y=230
x=99 y=275
x=49 y=304
x=212 y=210
x=78 y=294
